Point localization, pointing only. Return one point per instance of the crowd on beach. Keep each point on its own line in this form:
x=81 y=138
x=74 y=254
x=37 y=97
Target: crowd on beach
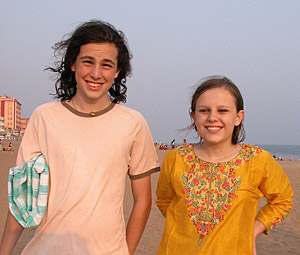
x=166 y=146
x=282 y=158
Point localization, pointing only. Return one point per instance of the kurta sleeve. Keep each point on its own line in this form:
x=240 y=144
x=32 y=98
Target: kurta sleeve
x=165 y=192
x=278 y=192
x=143 y=158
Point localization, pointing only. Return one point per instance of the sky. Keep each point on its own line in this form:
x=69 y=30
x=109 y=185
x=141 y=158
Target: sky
x=174 y=45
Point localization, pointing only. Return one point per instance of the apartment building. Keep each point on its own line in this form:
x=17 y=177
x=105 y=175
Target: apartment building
x=2 y=128
x=24 y=123
x=10 y=110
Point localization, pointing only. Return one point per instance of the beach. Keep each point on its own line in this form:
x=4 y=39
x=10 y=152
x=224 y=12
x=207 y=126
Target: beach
x=284 y=239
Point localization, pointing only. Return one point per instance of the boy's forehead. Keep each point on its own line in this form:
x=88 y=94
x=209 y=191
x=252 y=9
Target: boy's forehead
x=94 y=49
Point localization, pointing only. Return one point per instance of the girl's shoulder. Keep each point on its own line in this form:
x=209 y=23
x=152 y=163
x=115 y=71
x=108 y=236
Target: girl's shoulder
x=181 y=153
x=250 y=151
x=182 y=150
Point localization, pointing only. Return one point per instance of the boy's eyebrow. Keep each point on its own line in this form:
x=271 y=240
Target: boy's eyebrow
x=104 y=60
x=109 y=60
x=88 y=57
x=223 y=105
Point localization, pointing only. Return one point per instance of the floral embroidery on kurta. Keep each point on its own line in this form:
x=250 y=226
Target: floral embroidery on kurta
x=276 y=222
x=210 y=187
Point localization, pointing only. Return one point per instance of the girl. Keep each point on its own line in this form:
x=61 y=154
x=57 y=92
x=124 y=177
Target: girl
x=209 y=191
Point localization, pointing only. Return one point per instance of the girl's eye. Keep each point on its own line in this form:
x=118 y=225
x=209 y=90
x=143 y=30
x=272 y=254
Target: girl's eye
x=223 y=110
x=202 y=110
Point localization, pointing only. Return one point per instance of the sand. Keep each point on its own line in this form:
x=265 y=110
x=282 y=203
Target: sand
x=283 y=239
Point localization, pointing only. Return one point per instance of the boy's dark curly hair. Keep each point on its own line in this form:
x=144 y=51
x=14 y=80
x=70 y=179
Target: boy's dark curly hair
x=94 y=31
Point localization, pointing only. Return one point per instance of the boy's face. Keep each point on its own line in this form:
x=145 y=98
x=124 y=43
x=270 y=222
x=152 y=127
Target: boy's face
x=95 y=67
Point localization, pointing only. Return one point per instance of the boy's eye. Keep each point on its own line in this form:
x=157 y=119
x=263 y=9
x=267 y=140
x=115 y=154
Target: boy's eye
x=107 y=65
x=87 y=62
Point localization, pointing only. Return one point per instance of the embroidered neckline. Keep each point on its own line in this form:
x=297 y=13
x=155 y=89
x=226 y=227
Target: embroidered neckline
x=223 y=162
x=209 y=188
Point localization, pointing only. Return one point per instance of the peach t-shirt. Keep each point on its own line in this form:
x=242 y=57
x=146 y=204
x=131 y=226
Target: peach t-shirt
x=88 y=158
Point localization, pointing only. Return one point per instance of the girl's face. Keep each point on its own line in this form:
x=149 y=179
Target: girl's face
x=215 y=116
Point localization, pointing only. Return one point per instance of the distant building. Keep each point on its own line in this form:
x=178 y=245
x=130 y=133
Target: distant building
x=10 y=110
x=2 y=128
x=24 y=123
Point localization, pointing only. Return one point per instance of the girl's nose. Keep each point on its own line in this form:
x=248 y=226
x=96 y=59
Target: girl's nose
x=212 y=116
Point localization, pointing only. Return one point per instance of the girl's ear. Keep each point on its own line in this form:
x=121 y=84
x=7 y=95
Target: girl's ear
x=239 y=117
x=192 y=114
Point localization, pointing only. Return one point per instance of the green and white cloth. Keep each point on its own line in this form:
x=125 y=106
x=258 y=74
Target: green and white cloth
x=28 y=191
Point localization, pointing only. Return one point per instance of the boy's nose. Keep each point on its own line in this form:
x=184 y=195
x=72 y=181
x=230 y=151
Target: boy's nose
x=96 y=72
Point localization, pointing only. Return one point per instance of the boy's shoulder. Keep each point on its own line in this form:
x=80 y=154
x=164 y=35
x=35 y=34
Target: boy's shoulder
x=129 y=112
x=49 y=105
x=44 y=108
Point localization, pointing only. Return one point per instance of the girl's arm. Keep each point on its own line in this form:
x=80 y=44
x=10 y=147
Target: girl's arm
x=11 y=234
x=278 y=192
x=141 y=191
x=258 y=229
x=165 y=192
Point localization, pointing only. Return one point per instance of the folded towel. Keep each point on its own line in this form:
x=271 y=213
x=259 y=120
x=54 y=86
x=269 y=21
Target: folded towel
x=28 y=191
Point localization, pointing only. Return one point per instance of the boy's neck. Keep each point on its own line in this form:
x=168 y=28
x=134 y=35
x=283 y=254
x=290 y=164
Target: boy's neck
x=81 y=105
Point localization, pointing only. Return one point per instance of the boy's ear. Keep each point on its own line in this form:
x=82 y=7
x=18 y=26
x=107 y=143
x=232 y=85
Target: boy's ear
x=117 y=73
x=73 y=68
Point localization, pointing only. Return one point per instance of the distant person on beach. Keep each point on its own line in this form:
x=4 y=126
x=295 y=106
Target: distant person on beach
x=90 y=143
x=173 y=144
x=9 y=147
x=209 y=191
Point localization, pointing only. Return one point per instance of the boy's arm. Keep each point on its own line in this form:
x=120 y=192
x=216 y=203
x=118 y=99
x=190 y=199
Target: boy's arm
x=141 y=191
x=11 y=234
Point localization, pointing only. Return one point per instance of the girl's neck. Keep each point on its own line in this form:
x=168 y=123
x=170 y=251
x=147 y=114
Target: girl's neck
x=216 y=153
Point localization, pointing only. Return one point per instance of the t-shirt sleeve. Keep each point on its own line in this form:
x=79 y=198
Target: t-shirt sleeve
x=278 y=192
x=29 y=146
x=143 y=158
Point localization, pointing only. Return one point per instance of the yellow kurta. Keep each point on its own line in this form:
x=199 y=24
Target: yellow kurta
x=210 y=208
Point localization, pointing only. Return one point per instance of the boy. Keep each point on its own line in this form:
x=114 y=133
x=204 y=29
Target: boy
x=90 y=143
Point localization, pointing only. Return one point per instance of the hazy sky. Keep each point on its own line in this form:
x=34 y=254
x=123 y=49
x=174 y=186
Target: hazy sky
x=174 y=44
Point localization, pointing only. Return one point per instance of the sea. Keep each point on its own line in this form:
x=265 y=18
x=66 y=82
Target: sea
x=284 y=151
